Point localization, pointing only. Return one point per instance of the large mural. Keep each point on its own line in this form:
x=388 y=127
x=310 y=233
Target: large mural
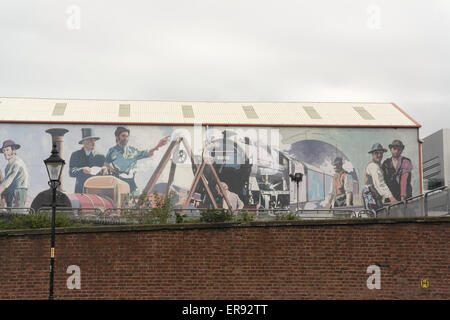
x=111 y=166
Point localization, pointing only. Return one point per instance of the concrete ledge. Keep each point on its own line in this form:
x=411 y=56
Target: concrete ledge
x=226 y=225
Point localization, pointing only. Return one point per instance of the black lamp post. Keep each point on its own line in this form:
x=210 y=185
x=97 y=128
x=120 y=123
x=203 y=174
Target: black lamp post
x=297 y=177
x=54 y=165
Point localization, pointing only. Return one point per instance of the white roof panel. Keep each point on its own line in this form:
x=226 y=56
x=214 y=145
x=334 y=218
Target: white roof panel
x=212 y=113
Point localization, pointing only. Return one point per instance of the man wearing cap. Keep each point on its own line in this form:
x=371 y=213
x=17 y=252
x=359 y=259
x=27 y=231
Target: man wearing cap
x=341 y=189
x=122 y=158
x=16 y=176
x=397 y=172
x=374 y=179
x=85 y=162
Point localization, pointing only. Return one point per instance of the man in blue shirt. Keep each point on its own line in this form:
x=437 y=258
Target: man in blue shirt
x=121 y=159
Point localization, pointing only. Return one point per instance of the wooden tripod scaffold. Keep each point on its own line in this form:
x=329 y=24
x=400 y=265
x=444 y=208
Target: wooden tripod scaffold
x=197 y=177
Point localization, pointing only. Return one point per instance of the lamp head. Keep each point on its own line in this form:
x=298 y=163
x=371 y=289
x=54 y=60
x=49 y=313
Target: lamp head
x=54 y=165
x=297 y=177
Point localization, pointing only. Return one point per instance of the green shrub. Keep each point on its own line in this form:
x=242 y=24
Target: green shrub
x=245 y=217
x=195 y=220
x=39 y=221
x=216 y=215
x=289 y=216
x=163 y=207
x=178 y=217
x=157 y=212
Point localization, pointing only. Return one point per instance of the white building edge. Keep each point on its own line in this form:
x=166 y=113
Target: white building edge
x=327 y=114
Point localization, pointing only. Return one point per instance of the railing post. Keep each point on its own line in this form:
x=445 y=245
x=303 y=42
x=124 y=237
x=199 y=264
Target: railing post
x=405 y=204
x=422 y=205
x=448 y=201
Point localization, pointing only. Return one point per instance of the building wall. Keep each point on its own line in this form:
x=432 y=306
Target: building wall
x=435 y=163
x=446 y=152
x=272 y=152
x=282 y=260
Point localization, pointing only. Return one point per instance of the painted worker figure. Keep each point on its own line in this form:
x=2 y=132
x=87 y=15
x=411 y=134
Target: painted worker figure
x=16 y=178
x=235 y=202
x=122 y=158
x=86 y=162
x=341 y=189
x=375 y=191
x=397 y=172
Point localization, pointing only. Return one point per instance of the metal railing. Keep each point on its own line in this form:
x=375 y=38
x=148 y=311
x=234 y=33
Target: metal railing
x=94 y=215
x=7 y=211
x=432 y=203
x=276 y=214
x=74 y=212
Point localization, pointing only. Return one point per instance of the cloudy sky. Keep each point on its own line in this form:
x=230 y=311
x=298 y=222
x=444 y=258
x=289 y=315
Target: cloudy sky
x=231 y=50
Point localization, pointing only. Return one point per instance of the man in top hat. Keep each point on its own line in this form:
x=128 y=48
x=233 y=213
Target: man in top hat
x=85 y=162
x=341 y=189
x=122 y=158
x=397 y=172
x=16 y=176
x=374 y=178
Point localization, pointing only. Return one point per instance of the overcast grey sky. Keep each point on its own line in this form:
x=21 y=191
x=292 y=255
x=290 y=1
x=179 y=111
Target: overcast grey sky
x=231 y=50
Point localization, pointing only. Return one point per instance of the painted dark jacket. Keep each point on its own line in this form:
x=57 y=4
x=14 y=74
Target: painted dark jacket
x=398 y=179
x=78 y=160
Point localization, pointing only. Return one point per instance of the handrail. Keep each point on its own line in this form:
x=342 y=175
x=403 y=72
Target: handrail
x=421 y=196
x=116 y=215
x=437 y=189
x=9 y=209
x=97 y=211
x=366 y=211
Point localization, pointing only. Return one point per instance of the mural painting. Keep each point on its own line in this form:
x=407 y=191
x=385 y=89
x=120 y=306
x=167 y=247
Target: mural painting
x=212 y=167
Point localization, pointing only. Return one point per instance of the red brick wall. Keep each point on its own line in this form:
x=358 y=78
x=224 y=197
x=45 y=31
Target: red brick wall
x=292 y=260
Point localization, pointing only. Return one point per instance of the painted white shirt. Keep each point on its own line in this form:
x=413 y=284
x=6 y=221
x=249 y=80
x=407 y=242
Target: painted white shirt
x=16 y=174
x=235 y=202
x=375 y=172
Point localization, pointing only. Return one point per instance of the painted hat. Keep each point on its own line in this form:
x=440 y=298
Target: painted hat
x=398 y=144
x=87 y=133
x=9 y=143
x=119 y=130
x=337 y=161
x=377 y=147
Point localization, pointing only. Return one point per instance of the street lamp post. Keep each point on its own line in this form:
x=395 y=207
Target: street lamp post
x=297 y=177
x=54 y=165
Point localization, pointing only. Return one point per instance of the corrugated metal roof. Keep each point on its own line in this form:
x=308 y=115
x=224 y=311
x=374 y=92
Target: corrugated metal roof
x=213 y=113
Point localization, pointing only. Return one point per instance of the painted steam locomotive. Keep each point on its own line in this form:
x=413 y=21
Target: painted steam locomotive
x=259 y=174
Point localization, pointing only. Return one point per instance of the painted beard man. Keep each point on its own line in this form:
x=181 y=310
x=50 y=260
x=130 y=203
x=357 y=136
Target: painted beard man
x=121 y=159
